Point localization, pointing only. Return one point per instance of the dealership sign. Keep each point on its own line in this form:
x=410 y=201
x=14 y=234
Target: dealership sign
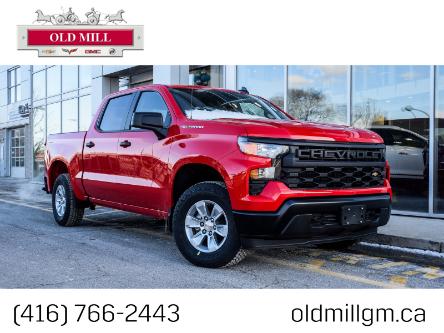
x=68 y=36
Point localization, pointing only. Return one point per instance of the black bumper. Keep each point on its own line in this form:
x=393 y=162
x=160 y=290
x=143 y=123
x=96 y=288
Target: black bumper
x=311 y=221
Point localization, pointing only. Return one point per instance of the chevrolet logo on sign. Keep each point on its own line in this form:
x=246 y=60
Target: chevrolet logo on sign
x=69 y=36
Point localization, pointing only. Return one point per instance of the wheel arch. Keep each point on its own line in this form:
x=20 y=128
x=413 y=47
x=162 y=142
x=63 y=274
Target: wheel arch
x=189 y=172
x=195 y=171
x=56 y=168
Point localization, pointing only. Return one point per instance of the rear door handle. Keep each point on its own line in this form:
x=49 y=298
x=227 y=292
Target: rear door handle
x=125 y=144
x=90 y=144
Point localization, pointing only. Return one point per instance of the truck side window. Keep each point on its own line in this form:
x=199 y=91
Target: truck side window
x=115 y=114
x=152 y=101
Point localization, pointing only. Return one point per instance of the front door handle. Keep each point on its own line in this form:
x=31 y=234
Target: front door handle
x=125 y=144
x=90 y=144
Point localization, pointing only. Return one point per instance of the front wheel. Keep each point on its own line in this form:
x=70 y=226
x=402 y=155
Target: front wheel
x=204 y=228
x=67 y=209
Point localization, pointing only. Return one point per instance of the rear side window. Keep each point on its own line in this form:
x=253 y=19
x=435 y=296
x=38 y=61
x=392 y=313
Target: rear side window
x=152 y=101
x=116 y=112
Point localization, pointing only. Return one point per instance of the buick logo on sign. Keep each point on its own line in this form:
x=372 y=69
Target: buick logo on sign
x=70 y=34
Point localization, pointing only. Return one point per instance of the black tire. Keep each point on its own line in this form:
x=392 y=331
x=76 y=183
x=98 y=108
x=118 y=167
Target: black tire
x=230 y=252
x=73 y=213
x=341 y=245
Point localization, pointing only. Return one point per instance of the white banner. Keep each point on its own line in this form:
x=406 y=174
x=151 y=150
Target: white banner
x=220 y=310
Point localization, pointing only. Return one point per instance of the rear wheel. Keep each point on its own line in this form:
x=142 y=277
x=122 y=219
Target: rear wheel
x=67 y=210
x=204 y=228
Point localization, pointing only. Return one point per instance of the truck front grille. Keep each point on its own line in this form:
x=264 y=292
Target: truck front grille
x=324 y=177
x=333 y=166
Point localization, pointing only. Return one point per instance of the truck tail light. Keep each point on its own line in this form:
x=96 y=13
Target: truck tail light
x=387 y=170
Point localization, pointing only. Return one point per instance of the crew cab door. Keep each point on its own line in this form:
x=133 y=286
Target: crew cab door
x=100 y=153
x=138 y=165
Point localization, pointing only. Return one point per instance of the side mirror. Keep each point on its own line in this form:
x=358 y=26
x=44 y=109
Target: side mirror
x=150 y=120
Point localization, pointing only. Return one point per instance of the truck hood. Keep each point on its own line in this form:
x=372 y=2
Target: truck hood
x=298 y=130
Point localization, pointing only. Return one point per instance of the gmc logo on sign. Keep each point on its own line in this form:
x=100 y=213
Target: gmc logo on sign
x=325 y=154
x=93 y=51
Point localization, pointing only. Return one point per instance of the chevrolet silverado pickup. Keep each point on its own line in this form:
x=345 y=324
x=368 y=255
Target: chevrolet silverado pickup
x=225 y=170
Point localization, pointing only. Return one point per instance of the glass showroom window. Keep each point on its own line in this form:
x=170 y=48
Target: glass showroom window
x=439 y=142
x=70 y=78
x=54 y=81
x=14 y=81
x=85 y=76
x=318 y=93
x=394 y=101
x=3 y=97
x=70 y=116
x=265 y=81
x=54 y=119
x=203 y=75
x=85 y=114
x=39 y=85
x=39 y=135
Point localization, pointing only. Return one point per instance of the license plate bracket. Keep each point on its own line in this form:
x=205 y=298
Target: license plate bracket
x=353 y=214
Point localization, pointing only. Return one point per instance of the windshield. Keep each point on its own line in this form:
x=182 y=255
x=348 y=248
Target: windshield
x=206 y=104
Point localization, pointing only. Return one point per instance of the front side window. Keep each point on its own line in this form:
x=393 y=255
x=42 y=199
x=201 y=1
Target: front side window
x=207 y=104
x=114 y=117
x=152 y=101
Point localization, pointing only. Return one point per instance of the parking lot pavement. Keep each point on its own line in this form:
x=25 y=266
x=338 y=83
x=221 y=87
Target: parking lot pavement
x=114 y=249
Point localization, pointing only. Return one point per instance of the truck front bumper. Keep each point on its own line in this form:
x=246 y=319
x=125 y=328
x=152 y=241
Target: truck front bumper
x=313 y=221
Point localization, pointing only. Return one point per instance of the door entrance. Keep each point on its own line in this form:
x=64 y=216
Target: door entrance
x=18 y=152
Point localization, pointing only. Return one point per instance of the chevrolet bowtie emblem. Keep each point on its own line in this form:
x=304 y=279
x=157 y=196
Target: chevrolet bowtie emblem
x=375 y=173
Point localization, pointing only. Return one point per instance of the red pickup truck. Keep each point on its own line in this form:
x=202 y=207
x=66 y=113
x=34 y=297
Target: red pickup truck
x=226 y=170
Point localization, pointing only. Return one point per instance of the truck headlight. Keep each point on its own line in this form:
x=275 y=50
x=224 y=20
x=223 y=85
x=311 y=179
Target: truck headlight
x=261 y=149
